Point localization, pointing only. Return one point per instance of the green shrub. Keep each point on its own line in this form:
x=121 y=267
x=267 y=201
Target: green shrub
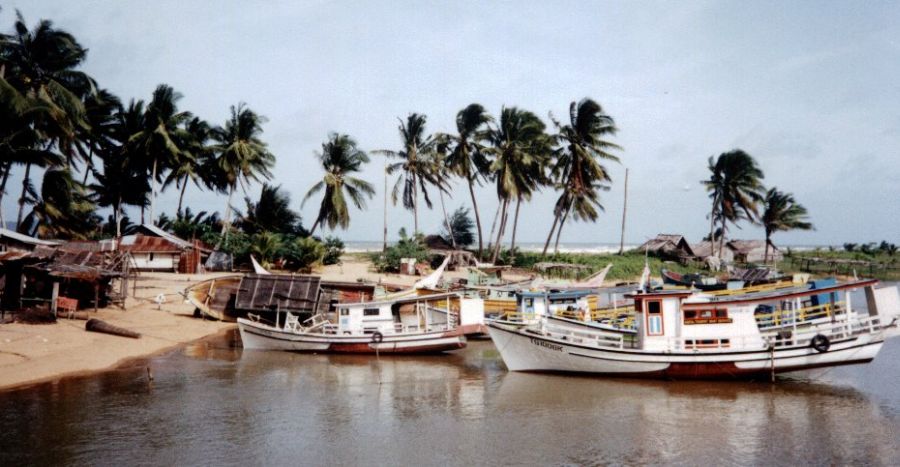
x=334 y=248
x=303 y=253
x=407 y=247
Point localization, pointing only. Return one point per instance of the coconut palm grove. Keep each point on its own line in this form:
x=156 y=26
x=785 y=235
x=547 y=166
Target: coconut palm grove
x=92 y=152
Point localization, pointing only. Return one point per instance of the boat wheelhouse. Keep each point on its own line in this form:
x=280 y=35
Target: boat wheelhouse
x=684 y=334
x=417 y=324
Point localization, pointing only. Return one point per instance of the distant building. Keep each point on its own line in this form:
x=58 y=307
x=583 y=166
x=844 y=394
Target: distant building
x=704 y=250
x=152 y=253
x=753 y=251
x=669 y=246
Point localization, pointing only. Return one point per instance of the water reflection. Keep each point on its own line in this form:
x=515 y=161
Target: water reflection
x=212 y=403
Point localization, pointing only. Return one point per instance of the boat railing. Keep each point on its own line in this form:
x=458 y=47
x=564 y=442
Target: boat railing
x=780 y=318
x=400 y=328
x=518 y=316
x=754 y=289
x=586 y=337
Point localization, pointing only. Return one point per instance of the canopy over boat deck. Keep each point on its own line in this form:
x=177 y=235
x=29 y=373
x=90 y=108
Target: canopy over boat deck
x=271 y=292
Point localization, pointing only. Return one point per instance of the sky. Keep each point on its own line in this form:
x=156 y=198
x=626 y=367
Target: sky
x=809 y=89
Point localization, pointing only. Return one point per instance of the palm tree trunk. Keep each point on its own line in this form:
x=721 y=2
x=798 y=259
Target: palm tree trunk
x=181 y=196
x=153 y=194
x=225 y=221
x=512 y=247
x=117 y=214
x=314 y=226
x=494 y=226
x=501 y=230
x=6 y=171
x=766 y=256
x=22 y=198
x=477 y=218
x=550 y=235
x=712 y=227
x=447 y=219
x=559 y=232
x=415 y=206
x=722 y=238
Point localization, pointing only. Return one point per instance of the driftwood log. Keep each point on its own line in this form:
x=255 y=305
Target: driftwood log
x=97 y=325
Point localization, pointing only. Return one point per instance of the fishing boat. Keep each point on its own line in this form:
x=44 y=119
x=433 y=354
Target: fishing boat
x=692 y=335
x=697 y=281
x=409 y=324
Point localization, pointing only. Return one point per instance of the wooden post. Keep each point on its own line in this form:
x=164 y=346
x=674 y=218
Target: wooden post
x=54 y=295
x=624 y=210
x=96 y=296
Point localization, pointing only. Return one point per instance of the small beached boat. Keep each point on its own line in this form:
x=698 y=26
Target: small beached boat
x=413 y=324
x=214 y=298
x=686 y=334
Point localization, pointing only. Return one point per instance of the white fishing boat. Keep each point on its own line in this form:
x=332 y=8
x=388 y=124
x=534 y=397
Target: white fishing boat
x=684 y=334
x=425 y=324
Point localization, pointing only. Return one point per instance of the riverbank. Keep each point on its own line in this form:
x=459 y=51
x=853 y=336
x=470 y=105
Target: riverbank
x=32 y=354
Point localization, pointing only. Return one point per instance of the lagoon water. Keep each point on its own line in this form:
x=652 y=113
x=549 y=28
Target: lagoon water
x=212 y=403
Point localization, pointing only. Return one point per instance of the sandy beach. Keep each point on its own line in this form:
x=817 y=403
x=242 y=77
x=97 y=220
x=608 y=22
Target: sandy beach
x=31 y=353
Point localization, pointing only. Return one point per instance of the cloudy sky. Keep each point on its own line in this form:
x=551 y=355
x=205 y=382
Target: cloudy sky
x=810 y=89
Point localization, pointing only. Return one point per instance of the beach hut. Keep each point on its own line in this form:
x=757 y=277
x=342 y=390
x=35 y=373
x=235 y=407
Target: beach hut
x=668 y=246
x=753 y=251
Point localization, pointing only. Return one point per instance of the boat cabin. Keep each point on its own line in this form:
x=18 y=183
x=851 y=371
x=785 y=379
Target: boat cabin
x=410 y=314
x=681 y=320
x=532 y=305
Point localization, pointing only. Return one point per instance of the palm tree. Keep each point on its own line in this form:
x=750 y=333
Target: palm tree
x=40 y=63
x=782 y=213
x=123 y=180
x=521 y=151
x=186 y=166
x=61 y=210
x=466 y=158
x=578 y=168
x=271 y=213
x=101 y=112
x=340 y=158
x=735 y=186
x=242 y=155
x=162 y=137
x=416 y=167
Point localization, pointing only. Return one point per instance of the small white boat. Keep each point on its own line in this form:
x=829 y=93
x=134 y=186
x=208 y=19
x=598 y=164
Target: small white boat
x=426 y=324
x=683 y=334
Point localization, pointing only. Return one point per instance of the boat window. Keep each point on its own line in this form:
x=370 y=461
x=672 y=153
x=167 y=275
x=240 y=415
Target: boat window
x=721 y=313
x=345 y=312
x=654 y=307
x=705 y=314
x=529 y=302
x=706 y=317
x=371 y=312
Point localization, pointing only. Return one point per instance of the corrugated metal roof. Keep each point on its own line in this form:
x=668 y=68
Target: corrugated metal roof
x=145 y=244
x=266 y=292
x=25 y=238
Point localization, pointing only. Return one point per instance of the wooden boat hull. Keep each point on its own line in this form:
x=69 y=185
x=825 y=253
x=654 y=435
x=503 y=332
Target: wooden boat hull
x=214 y=297
x=525 y=350
x=259 y=336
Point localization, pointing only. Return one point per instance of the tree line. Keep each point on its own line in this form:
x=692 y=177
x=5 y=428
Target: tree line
x=97 y=151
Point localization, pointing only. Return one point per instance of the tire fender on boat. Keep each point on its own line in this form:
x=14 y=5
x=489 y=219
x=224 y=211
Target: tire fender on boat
x=377 y=337
x=820 y=343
